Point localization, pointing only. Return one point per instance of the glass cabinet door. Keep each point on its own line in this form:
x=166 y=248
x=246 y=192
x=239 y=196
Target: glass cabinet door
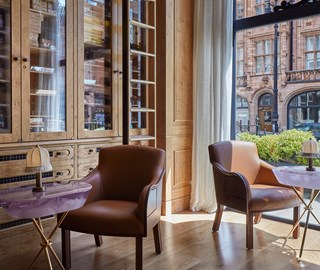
x=45 y=82
x=142 y=66
x=9 y=71
x=100 y=73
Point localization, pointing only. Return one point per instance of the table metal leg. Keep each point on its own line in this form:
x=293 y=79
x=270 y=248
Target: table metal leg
x=308 y=208
x=304 y=234
x=46 y=244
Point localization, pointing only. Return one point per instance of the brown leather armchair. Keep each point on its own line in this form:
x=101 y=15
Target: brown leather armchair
x=125 y=199
x=246 y=183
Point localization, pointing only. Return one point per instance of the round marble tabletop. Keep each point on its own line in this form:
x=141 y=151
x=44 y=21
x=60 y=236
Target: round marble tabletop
x=21 y=202
x=298 y=176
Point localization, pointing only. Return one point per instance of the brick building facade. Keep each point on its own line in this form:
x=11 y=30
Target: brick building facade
x=298 y=72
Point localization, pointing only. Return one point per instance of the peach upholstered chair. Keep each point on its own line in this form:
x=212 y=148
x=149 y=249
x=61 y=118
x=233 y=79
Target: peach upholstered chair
x=125 y=199
x=246 y=183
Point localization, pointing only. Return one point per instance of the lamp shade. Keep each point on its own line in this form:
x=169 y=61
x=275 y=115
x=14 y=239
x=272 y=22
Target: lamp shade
x=38 y=160
x=310 y=148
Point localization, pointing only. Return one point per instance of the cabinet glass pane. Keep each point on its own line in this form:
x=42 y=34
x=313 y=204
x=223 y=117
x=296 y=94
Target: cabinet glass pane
x=97 y=65
x=142 y=63
x=47 y=66
x=5 y=67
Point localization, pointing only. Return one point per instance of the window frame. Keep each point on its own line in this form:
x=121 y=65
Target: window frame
x=315 y=51
x=273 y=17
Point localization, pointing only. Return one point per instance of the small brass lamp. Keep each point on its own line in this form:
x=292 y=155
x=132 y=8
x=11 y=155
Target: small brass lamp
x=310 y=150
x=38 y=161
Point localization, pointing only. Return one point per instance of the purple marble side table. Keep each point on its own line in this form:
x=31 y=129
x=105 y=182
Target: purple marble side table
x=21 y=202
x=298 y=176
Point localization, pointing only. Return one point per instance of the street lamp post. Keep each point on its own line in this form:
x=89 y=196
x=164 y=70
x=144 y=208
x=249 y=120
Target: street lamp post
x=275 y=115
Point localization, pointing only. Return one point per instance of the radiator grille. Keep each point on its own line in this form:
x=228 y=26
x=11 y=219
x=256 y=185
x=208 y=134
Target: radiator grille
x=21 y=178
x=18 y=222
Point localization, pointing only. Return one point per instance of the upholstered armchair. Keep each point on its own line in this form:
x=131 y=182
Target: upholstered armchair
x=125 y=199
x=246 y=183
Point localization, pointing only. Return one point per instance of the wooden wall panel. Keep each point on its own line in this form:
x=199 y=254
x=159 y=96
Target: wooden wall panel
x=183 y=20
x=174 y=82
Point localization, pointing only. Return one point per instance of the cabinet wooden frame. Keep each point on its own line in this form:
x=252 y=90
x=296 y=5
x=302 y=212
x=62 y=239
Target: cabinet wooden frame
x=27 y=135
x=141 y=135
x=15 y=134
x=116 y=70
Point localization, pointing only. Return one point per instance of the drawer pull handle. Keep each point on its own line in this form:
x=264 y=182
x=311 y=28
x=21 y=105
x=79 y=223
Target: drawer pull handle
x=59 y=173
x=59 y=153
x=90 y=150
x=90 y=169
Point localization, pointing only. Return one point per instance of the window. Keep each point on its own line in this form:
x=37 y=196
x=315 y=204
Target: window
x=240 y=62
x=304 y=111
x=240 y=10
x=312 y=52
x=295 y=32
x=259 y=7
x=263 y=56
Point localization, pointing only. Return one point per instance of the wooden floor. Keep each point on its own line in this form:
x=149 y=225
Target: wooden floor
x=188 y=244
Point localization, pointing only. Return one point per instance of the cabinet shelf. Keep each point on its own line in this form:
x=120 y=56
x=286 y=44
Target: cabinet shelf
x=43 y=92
x=142 y=138
x=141 y=25
x=142 y=81
x=136 y=109
x=43 y=12
x=40 y=115
x=41 y=72
x=40 y=49
x=136 y=52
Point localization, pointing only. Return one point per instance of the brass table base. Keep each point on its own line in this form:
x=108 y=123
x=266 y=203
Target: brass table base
x=46 y=244
x=307 y=208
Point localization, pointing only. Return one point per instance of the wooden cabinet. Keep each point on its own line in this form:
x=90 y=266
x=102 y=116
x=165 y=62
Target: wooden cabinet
x=140 y=90
x=100 y=68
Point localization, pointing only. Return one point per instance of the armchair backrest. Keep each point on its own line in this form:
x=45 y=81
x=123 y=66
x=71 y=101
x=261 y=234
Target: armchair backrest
x=237 y=156
x=126 y=169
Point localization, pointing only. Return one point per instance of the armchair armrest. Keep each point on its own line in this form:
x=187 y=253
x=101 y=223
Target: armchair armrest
x=93 y=178
x=150 y=199
x=232 y=189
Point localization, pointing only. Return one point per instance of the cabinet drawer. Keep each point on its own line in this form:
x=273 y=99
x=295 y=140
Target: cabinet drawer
x=90 y=152
x=62 y=173
x=61 y=155
x=86 y=168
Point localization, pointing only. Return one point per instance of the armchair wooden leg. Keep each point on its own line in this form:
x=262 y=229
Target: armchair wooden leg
x=139 y=257
x=296 y=215
x=98 y=240
x=217 y=219
x=66 y=248
x=157 y=238
x=249 y=231
x=257 y=218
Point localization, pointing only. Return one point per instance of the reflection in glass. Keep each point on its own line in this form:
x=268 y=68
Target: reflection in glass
x=47 y=66
x=97 y=65
x=5 y=68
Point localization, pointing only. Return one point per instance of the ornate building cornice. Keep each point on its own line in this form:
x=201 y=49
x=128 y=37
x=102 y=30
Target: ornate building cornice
x=286 y=4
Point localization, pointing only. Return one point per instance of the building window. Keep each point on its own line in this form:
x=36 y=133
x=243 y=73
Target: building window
x=304 y=112
x=312 y=52
x=240 y=10
x=259 y=7
x=240 y=61
x=242 y=115
x=263 y=56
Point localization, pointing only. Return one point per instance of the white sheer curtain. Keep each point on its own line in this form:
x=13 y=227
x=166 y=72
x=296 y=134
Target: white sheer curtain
x=212 y=64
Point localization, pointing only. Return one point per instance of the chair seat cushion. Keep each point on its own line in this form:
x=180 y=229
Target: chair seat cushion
x=105 y=217
x=269 y=198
